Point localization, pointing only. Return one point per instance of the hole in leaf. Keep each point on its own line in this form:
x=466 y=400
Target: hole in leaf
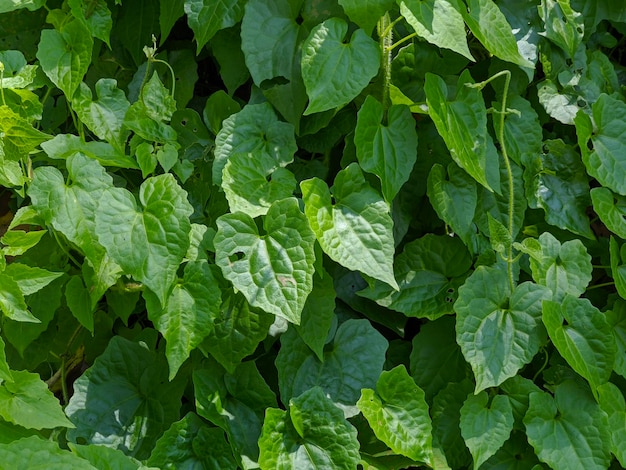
x=183 y=122
x=236 y=256
x=450 y=290
x=81 y=440
x=581 y=103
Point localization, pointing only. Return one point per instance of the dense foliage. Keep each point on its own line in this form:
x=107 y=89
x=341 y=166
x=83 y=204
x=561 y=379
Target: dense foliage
x=304 y=234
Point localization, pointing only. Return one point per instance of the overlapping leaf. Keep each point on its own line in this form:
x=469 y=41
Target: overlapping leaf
x=207 y=17
x=274 y=271
x=356 y=231
x=611 y=208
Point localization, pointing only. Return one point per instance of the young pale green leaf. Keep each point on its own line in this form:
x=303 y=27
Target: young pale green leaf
x=188 y=314
x=462 y=122
x=26 y=401
x=71 y=209
x=312 y=433
x=207 y=17
x=274 y=271
x=499 y=331
x=611 y=208
x=190 y=443
x=439 y=22
x=5 y=371
x=564 y=26
x=430 y=370
x=336 y=71
x=429 y=272
x=499 y=235
x=148 y=242
x=256 y=129
x=318 y=313
x=65 y=55
x=341 y=374
x=446 y=414
x=238 y=330
x=63 y=146
x=236 y=403
x=603 y=155
x=556 y=181
x=37 y=453
x=12 y=301
x=581 y=334
x=452 y=193
x=612 y=402
x=564 y=269
x=17 y=73
x=105 y=458
x=254 y=181
x=366 y=13
x=356 y=231
x=269 y=39
x=491 y=28
x=616 y=318
x=486 y=426
x=79 y=302
x=570 y=430
x=96 y=16
x=398 y=414
x=104 y=116
x=30 y=279
x=388 y=148
x=18 y=136
x=17 y=242
x=124 y=400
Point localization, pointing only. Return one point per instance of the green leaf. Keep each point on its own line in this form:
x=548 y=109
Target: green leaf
x=618 y=270
x=356 y=231
x=218 y=107
x=30 y=279
x=499 y=235
x=570 y=430
x=96 y=16
x=486 y=425
x=522 y=130
x=386 y=145
x=340 y=374
x=564 y=269
x=611 y=208
x=63 y=146
x=275 y=270
x=36 y=453
x=190 y=443
x=499 y=331
x=71 y=209
x=188 y=314
x=581 y=334
x=557 y=182
x=134 y=35
x=17 y=73
x=563 y=26
x=269 y=39
x=18 y=136
x=310 y=434
x=454 y=199
x=169 y=12
x=124 y=400
x=439 y=22
x=462 y=122
x=446 y=414
x=256 y=129
x=318 y=313
x=398 y=414
x=79 y=303
x=429 y=271
x=612 y=402
x=12 y=301
x=254 y=181
x=105 y=458
x=489 y=25
x=433 y=371
x=105 y=115
x=603 y=157
x=334 y=71
x=26 y=401
x=226 y=46
x=207 y=17
x=616 y=318
x=236 y=403
x=238 y=330
x=5 y=371
x=366 y=13
x=65 y=55
x=148 y=242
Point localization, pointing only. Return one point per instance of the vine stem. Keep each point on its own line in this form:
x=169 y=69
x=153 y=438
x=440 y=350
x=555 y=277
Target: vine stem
x=385 y=34
x=507 y=163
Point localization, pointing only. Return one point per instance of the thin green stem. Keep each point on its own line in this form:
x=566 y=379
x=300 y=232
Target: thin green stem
x=385 y=34
x=545 y=363
x=402 y=41
x=171 y=71
x=604 y=284
x=1 y=84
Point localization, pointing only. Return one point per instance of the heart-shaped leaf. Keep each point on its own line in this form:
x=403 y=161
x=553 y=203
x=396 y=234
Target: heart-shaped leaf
x=275 y=270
